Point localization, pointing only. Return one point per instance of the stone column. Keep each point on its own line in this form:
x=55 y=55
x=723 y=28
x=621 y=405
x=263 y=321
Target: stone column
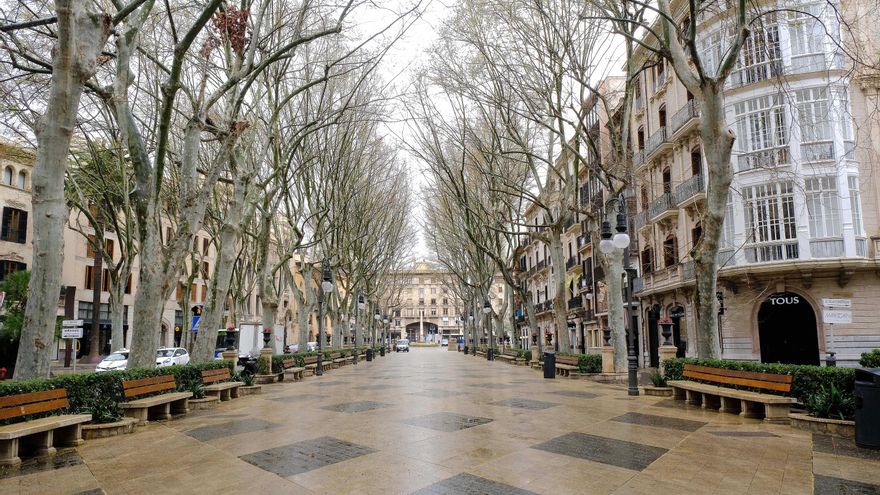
x=666 y=352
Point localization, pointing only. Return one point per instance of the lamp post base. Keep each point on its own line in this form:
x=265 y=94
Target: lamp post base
x=319 y=365
x=633 y=377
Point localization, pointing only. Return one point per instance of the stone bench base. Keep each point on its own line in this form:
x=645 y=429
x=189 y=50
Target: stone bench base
x=294 y=374
x=224 y=390
x=40 y=437
x=565 y=369
x=773 y=408
x=158 y=408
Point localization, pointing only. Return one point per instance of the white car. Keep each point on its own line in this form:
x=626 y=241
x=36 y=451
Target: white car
x=170 y=356
x=115 y=361
x=402 y=345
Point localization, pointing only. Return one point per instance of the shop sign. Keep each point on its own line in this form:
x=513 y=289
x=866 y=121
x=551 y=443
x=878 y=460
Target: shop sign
x=837 y=303
x=835 y=316
x=782 y=300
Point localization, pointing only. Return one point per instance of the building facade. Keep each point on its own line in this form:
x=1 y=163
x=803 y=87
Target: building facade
x=428 y=310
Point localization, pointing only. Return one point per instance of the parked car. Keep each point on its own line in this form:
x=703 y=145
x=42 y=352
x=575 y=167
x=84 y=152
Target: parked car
x=311 y=346
x=114 y=361
x=444 y=342
x=218 y=353
x=169 y=356
x=402 y=345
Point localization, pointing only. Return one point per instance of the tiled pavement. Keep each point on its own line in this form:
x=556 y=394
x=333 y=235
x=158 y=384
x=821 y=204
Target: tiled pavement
x=436 y=422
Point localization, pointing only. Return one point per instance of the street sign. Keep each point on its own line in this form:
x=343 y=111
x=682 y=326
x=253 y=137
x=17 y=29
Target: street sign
x=835 y=316
x=72 y=323
x=71 y=332
x=195 y=324
x=837 y=303
x=2 y=298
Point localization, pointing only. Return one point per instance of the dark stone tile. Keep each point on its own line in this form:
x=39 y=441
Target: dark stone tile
x=445 y=421
x=328 y=383
x=743 y=434
x=659 y=421
x=95 y=491
x=436 y=393
x=575 y=393
x=468 y=484
x=620 y=453
x=297 y=398
x=305 y=456
x=494 y=385
x=828 y=444
x=355 y=407
x=63 y=459
x=827 y=485
x=213 y=432
x=530 y=404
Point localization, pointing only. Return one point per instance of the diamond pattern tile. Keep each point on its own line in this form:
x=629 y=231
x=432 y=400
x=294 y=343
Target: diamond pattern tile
x=827 y=485
x=222 y=430
x=305 y=456
x=659 y=421
x=356 y=407
x=297 y=398
x=445 y=421
x=575 y=393
x=828 y=444
x=437 y=393
x=620 y=453
x=533 y=405
x=499 y=386
x=468 y=484
x=744 y=434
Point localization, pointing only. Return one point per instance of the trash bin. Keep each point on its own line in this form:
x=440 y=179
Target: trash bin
x=369 y=354
x=490 y=354
x=382 y=351
x=549 y=364
x=867 y=394
x=466 y=349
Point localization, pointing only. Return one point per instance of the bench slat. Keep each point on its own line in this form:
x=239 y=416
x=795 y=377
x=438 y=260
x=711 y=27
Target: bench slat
x=731 y=380
x=767 y=377
x=146 y=381
x=15 y=400
x=148 y=385
x=209 y=376
x=34 y=408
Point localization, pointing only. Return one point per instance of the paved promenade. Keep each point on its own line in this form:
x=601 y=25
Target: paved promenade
x=438 y=422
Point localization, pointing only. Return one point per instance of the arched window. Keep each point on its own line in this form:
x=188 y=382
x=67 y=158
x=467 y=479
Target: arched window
x=7 y=175
x=661 y=115
x=640 y=138
x=696 y=161
x=667 y=181
x=670 y=251
x=22 y=179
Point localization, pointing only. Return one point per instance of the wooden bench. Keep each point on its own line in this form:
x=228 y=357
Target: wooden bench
x=311 y=364
x=773 y=408
x=511 y=356
x=158 y=407
x=292 y=370
x=566 y=364
x=223 y=389
x=337 y=359
x=38 y=437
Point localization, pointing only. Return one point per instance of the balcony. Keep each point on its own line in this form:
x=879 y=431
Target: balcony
x=541 y=265
x=571 y=262
x=772 y=251
x=597 y=202
x=583 y=240
x=768 y=158
x=575 y=303
x=638 y=158
x=688 y=189
x=685 y=116
x=569 y=223
x=656 y=140
x=641 y=219
x=532 y=271
x=661 y=207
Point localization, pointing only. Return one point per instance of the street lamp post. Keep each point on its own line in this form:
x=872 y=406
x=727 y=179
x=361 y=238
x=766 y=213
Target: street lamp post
x=361 y=304
x=490 y=352
x=473 y=335
x=325 y=288
x=608 y=244
x=385 y=330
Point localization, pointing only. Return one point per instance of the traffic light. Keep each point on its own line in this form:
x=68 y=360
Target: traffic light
x=197 y=310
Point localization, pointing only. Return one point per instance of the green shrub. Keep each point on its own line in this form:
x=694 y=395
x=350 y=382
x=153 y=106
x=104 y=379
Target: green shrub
x=99 y=394
x=829 y=402
x=587 y=363
x=658 y=380
x=870 y=359
x=806 y=380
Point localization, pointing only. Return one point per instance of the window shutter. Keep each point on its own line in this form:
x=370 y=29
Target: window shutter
x=22 y=227
x=7 y=217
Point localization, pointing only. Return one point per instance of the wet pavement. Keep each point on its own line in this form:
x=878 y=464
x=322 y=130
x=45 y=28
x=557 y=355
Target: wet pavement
x=437 y=422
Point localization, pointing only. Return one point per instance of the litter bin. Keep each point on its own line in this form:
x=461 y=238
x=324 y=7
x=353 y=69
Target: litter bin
x=549 y=364
x=382 y=351
x=490 y=354
x=369 y=354
x=867 y=393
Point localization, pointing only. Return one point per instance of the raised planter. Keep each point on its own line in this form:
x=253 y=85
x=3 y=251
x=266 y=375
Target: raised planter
x=657 y=391
x=264 y=379
x=838 y=427
x=250 y=390
x=205 y=403
x=103 y=430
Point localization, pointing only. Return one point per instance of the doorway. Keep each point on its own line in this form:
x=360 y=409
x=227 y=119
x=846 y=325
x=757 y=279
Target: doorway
x=787 y=330
x=677 y=314
x=653 y=316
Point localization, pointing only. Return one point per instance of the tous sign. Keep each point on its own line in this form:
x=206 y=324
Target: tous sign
x=782 y=299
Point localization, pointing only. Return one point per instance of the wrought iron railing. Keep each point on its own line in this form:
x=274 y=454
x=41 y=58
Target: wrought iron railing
x=689 y=189
x=656 y=139
x=661 y=205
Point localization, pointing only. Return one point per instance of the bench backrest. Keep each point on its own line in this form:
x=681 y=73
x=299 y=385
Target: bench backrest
x=310 y=359
x=288 y=363
x=336 y=355
x=509 y=352
x=134 y=388
x=765 y=381
x=568 y=360
x=14 y=406
x=218 y=375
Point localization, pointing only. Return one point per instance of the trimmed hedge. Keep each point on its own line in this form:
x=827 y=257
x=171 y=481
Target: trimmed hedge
x=806 y=381
x=870 y=359
x=299 y=357
x=99 y=394
x=587 y=363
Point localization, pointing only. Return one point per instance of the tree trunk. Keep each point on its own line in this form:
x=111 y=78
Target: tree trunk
x=117 y=309
x=717 y=141
x=613 y=265
x=150 y=300
x=97 y=288
x=558 y=276
x=81 y=36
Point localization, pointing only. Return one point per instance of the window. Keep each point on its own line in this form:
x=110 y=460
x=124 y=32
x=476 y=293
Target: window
x=105 y=280
x=205 y=245
x=762 y=132
x=667 y=181
x=659 y=74
x=179 y=292
x=640 y=138
x=696 y=233
x=84 y=311
x=807 y=34
x=89 y=278
x=445 y=301
x=206 y=269
x=421 y=292
x=760 y=55
x=661 y=115
x=814 y=121
x=10 y=266
x=644 y=197
x=7 y=175
x=855 y=204
x=770 y=222
x=647 y=260
x=433 y=312
x=696 y=161
x=445 y=311
x=433 y=302
x=670 y=252
x=433 y=290
x=108 y=247
x=128 y=284
x=727 y=227
x=637 y=91
x=204 y=293
x=14 y=228
x=193 y=292
x=823 y=206
x=22 y=179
